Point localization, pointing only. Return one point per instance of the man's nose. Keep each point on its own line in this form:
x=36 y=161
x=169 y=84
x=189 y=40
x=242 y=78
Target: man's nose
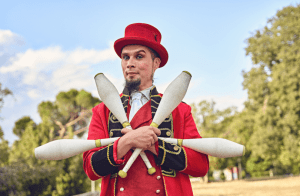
x=130 y=63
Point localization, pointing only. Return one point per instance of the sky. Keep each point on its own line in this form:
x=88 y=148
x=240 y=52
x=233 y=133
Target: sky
x=51 y=46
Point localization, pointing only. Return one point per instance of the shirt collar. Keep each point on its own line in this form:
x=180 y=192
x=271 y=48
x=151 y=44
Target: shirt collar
x=146 y=92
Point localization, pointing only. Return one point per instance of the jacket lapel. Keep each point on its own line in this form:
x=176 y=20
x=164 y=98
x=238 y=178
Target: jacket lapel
x=142 y=117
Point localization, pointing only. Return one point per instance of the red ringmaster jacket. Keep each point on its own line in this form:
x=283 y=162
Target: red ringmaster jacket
x=173 y=164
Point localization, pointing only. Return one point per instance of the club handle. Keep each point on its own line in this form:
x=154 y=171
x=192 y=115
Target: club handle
x=137 y=151
x=135 y=154
x=151 y=170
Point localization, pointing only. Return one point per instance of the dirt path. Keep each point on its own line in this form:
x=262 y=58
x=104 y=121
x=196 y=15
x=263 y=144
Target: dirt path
x=289 y=186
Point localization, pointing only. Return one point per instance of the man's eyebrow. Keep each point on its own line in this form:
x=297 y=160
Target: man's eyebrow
x=125 y=53
x=141 y=51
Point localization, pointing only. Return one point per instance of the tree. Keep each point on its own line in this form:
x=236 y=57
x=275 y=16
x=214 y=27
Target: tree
x=21 y=179
x=215 y=123
x=273 y=86
x=66 y=117
x=3 y=93
x=21 y=125
x=4 y=148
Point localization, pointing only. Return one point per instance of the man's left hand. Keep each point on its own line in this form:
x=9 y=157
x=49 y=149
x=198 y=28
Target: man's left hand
x=151 y=148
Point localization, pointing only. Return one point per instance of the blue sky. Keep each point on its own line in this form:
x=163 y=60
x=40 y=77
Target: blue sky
x=48 y=47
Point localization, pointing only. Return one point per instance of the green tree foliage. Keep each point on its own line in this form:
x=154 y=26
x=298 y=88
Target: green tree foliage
x=215 y=123
x=3 y=93
x=273 y=86
x=4 y=148
x=20 y=125
x=269 y=126
x=67 y=116
x=21 y=179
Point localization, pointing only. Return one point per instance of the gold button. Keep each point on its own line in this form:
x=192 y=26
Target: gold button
x=121 y=189
x=157 y=191
x=114 y=118
x=176 y=148
x=158 y=177
x=111 y=134
x=168 y=133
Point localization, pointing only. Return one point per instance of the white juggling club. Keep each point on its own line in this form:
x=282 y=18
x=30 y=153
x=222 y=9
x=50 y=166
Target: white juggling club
x=65 y=148
x=216 y=147
x=110 y=97
x=172 y=97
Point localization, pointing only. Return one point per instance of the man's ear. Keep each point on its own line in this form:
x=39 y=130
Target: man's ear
x=157 y=62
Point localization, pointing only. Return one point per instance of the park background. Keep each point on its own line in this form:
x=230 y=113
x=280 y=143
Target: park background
x=245 y=87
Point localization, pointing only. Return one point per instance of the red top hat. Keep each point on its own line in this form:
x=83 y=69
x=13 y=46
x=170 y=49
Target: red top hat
x=142 y=34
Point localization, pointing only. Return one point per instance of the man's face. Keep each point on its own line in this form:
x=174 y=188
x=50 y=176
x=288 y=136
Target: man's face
x=137 y=64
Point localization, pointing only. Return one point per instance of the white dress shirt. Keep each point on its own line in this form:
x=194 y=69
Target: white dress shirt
x=137 y=100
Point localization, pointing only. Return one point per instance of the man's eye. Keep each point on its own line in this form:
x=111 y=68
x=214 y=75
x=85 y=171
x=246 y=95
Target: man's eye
x=125 y=57
x=139 y=56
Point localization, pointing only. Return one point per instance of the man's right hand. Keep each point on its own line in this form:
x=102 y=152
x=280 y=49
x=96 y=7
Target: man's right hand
x=143 y=137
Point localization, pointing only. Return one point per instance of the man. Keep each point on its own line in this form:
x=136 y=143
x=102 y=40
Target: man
x=142 y=54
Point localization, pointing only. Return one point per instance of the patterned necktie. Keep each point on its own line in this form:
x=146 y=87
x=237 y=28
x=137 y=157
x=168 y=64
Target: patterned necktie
x=136 y=104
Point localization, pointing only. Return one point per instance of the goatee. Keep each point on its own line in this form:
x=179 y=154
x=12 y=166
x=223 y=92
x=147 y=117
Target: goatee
x=133 y=85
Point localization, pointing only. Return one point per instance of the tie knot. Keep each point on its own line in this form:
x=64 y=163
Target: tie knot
x=136 y=96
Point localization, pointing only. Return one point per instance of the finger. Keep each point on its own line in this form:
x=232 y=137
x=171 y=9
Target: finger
x=149 y=145
x=154 y=136
x=155 y=139
x=156 y=131
x=125 y=130
x=152 y=141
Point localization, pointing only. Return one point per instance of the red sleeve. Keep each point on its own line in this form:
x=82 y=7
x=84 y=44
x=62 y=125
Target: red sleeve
x=100 y=161
x=179 y=158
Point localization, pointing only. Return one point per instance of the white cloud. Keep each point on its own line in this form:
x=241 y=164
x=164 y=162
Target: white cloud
x=10 y=43
x=71 y=76
x=7 y=37
x=52 y=69
x=34 y=61
x=85 y=56
x=33 y=93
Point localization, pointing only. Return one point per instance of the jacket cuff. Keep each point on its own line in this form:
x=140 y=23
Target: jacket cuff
x=103 y=162
x=157 y=148
x=170 y=155
x=115 y=154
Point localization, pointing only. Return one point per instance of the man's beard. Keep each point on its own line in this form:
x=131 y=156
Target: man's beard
x=133 y=85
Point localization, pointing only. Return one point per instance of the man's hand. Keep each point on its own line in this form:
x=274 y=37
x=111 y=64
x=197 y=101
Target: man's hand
x=152 y=149
x=143 y=137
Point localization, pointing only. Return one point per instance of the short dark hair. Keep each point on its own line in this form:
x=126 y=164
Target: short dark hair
x=154 y=54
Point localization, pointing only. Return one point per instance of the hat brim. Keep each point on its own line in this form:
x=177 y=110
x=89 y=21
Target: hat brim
x=120 y=43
